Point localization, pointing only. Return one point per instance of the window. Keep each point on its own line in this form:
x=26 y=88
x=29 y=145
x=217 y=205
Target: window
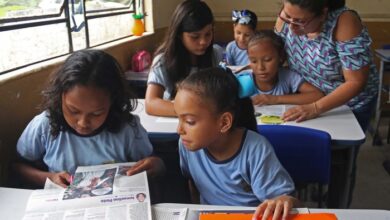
x=32 y=31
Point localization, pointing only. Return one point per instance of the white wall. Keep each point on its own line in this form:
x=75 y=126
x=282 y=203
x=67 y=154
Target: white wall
x=268 y=9
x=371 y=9
x=162 y=11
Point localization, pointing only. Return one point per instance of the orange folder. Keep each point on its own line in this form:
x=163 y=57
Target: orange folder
x=248 y=216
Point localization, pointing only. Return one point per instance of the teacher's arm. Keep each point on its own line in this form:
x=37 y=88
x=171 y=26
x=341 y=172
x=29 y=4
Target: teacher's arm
x=355 y=81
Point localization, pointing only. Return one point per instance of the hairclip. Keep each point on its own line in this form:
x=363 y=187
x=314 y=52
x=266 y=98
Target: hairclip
x=246 y=85
x=222 y=65
x=241 y=17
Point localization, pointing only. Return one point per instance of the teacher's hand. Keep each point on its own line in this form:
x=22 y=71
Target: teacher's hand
x=301 y=113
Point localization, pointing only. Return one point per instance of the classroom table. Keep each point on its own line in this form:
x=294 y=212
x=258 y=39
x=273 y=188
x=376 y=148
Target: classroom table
x=341 y=214
x=13 y=204
x=339 y=122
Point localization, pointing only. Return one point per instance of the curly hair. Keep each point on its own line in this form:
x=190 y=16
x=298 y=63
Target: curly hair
x=89 y=67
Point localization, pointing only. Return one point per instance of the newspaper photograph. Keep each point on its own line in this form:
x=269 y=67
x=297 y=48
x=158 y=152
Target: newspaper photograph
x=96 y=192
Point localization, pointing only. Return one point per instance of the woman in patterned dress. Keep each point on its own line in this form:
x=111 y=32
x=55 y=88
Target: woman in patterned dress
x=328 y=45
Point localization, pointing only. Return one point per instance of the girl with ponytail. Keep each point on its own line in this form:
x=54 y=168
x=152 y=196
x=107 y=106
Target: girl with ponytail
x=224 y=158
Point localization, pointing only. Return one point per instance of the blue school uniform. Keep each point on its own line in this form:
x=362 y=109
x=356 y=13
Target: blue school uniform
x=236 y=56
x=69 y=150
x=288 y=83
x=251 y=176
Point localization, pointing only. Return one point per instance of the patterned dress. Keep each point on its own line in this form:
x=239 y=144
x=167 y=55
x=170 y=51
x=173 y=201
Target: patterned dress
x=321 y=60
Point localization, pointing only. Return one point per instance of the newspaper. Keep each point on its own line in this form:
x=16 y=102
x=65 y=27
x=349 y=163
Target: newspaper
x=96 y=192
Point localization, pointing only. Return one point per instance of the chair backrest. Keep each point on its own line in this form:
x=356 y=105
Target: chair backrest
x=304 y=152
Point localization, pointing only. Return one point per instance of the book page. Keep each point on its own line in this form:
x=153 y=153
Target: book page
x=270 y=114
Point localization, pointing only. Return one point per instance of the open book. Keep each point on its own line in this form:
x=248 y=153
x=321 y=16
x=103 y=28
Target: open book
x=270 y=114
x=237 y=69
x=96 y=192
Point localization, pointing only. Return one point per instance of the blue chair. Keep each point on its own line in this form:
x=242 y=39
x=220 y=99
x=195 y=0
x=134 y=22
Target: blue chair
x=304 y=152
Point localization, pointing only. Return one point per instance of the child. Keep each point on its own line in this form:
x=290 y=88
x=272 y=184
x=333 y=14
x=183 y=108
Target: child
x=276 y=84
x=244 y=28
x=86 y=121
x=188 y=46
x=221 y=153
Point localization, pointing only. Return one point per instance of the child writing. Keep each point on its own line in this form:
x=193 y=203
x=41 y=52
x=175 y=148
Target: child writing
x=221 y=153
x=86 y=121
x=276 y=84
x=188 y=46
x=244 y=28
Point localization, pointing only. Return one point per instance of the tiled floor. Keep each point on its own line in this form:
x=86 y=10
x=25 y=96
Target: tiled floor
x=372 y=190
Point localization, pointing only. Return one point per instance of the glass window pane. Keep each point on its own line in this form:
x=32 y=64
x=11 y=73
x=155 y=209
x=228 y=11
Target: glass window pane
x=28 y=45
x=106 y=4
x=78 y=39
x=28 y=8
x=106 y=29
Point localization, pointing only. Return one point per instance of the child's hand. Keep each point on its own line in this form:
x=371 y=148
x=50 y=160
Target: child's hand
x=263 y=99
x=301 y=113
x=61 y=178
x=154 y=166
x=278 y=208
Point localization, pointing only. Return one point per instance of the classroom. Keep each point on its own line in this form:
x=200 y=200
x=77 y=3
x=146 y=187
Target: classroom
x=38 y=36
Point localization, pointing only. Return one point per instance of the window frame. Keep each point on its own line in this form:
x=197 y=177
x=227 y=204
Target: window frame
x=56 y=18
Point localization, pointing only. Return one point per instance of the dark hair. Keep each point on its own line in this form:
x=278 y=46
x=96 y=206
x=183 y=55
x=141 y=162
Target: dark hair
x=139 y=194
x=95 y=68
x=221 y=87
x=253 y=17
x=276 y=41
x=189 y=16
x=316 y=6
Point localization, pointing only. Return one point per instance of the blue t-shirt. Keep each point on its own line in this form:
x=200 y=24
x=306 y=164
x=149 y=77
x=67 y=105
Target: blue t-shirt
x=251 y=176
x=68 y=150
x=159 y=75
x=236 y=56
x=288 y=83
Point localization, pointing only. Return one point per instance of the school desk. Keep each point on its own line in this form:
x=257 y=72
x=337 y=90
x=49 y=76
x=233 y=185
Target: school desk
x=341 y=214
x=340 y=123
x=13 y=204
